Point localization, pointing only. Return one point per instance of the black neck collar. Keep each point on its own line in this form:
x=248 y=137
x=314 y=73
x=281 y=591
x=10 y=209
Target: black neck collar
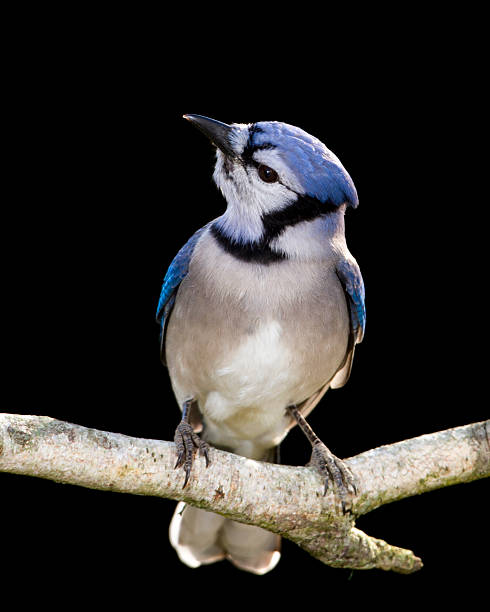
x=251 y=252
x=305 y=208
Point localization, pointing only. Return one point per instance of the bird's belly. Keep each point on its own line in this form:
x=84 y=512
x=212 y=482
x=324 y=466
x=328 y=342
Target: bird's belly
x=244 y=381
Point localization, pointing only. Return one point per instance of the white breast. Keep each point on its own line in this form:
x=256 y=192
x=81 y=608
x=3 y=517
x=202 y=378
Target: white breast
x=254 y=374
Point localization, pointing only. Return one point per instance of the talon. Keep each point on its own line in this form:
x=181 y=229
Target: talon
x=187 y=474
x=334 y=469
x=204 y=451
x=179 y=461
x=186 y=442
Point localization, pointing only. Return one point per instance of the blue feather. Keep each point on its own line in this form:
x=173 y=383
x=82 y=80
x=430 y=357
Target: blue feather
x=350 y=276
x=322 y=177
x=176 y=273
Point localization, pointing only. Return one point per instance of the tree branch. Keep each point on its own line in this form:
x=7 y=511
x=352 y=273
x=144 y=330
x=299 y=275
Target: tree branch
x=284 y=499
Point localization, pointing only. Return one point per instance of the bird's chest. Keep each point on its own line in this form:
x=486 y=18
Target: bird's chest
x=249 y=337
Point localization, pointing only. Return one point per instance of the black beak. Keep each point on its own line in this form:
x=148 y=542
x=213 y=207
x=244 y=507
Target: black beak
x=217 y=132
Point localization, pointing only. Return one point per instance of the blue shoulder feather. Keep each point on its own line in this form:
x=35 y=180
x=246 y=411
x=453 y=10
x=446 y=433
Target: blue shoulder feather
x=350 y=276
x=176 y=273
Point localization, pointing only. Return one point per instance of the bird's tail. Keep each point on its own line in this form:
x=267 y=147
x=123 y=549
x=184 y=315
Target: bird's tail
x=201 y=537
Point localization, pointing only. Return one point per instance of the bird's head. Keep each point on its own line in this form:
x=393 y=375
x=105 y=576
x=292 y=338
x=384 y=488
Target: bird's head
x=274 y=175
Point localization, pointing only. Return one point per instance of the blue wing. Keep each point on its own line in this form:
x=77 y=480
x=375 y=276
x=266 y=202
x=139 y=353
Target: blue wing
x=176 y=273
x=350 y=276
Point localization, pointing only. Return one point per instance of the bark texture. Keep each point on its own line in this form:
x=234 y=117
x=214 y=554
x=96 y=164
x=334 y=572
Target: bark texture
x=284 y=499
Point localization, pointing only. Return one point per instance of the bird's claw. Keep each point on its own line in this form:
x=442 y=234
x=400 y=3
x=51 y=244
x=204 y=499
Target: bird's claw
x=334 y=469
x=187 y=441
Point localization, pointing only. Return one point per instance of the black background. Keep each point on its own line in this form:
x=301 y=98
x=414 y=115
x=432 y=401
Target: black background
x=109 y=182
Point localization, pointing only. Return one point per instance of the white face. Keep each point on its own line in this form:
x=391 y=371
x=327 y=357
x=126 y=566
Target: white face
x=249 y=191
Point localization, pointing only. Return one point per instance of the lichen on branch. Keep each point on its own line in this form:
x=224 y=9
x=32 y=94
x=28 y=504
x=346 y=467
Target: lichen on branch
x=285 y=499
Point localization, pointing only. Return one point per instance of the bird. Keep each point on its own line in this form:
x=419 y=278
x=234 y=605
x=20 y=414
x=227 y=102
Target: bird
x=260 y=313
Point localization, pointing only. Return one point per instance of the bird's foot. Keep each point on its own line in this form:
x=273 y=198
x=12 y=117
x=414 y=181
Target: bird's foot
x=187 y=442
x=330 y=467
x=334 y=469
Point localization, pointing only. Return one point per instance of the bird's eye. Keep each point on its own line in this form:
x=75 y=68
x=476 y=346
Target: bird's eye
x=268 y=175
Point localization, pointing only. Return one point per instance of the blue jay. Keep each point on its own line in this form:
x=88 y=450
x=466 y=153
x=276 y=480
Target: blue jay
x=260 y=313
